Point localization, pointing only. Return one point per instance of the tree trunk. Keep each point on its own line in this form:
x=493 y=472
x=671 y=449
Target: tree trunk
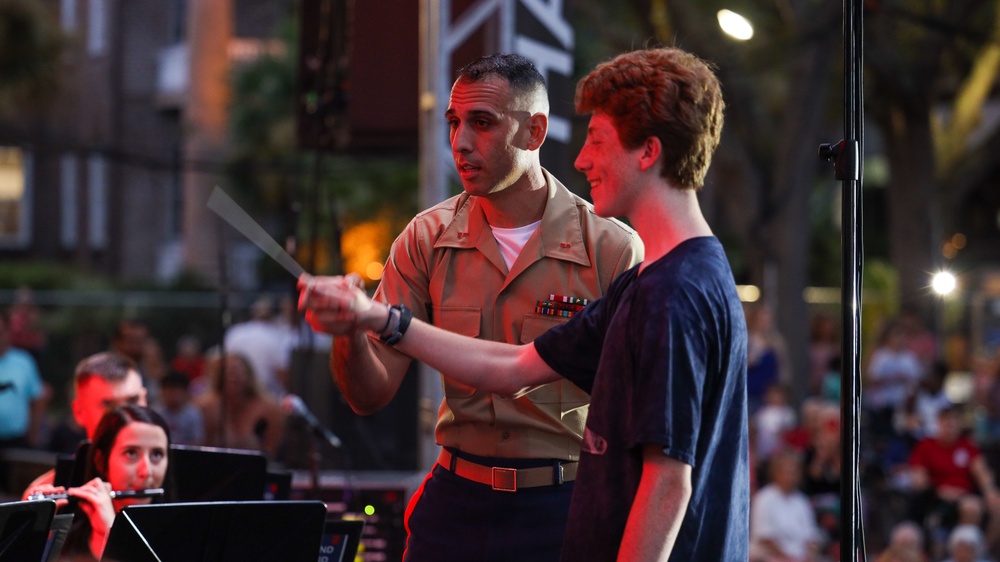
x=913 y=232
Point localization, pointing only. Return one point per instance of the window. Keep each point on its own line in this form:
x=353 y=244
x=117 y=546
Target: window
x=97 y=201
x=97 y=27
x=68 y=188
x=15 y=200
x=67 y=15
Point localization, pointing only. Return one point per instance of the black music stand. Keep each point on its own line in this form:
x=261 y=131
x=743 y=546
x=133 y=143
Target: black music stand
x=71 y=470
x=341 y=539
x=24 y=530
x=204 y=474
x=217 y=532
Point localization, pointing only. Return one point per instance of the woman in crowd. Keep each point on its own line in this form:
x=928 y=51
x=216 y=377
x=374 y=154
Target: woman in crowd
x=238 y=413
x=129 y=452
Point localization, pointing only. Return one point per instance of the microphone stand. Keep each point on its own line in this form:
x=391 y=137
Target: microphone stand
x=848 y=157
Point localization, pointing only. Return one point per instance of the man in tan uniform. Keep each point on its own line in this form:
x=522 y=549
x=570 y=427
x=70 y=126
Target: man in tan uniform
x=512 y=256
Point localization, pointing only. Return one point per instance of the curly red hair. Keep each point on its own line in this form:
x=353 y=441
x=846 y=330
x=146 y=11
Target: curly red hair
x=665 y=93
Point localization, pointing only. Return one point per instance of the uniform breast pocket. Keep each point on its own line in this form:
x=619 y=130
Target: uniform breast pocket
x=464 y=321
x=562 y=398
x=535 y=325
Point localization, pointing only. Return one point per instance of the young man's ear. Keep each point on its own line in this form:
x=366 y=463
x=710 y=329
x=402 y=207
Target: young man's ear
x=652 y=148
x=538 y=126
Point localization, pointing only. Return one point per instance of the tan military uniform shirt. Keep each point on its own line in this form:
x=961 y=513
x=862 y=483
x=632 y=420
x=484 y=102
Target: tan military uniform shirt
x=447 y=267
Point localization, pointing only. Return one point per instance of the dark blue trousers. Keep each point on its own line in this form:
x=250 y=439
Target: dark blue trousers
x=453 y=519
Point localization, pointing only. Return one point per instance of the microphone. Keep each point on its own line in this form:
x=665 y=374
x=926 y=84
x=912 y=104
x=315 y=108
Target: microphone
x=294 y=406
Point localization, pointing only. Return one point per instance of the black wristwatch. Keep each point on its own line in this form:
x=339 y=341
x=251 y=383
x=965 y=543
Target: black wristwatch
x=405 y=316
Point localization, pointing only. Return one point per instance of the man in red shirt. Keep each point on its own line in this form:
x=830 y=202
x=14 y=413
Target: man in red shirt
x=949 y=466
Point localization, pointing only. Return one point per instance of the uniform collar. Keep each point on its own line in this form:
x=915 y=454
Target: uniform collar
x=561 y=236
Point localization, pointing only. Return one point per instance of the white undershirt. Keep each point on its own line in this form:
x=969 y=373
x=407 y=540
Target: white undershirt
x=511 y=240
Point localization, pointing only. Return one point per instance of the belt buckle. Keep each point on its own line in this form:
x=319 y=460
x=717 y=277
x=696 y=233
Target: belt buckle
x=504 y=479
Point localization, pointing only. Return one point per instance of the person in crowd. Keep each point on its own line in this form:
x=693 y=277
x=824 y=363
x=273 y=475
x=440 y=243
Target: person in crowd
x=782 y=521
x=512 y=255
x=810 y=419
x=23 y=395
x=767 y=358
x=188 y=359
x=821 y=474
x=264 y=344
x=775 y=418
x=129 y=339
x=238 y=413
x=918 y=337
x=664 y=465
x=947 y=467
x=986 y=370
x=129 y=452
x=187 y=426
x=154 y=366
x=917 y=418
x=965 y=544
x=25 y=324
x=101 y=381
x=893 y=372
x=906 y=544
x=824 y=346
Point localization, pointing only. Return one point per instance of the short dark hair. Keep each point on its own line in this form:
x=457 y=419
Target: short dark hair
x=517 y=70
x=108 y=365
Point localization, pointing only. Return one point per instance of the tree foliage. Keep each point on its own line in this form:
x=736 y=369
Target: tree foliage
x=30 y=46
x=931 y=68
x=315 y=194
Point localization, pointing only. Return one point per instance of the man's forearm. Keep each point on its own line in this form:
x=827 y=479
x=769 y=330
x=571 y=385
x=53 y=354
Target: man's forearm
x=496 y=367
x=365 y=381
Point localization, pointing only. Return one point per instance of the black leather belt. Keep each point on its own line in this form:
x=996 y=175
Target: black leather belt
x=503 y=479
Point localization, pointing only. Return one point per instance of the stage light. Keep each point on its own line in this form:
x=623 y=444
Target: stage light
x=943 y=283
x=735 y=25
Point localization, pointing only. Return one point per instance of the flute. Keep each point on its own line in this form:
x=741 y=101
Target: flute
x=115 y=494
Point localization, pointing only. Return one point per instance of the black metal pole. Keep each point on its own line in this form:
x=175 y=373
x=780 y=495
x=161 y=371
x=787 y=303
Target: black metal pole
x=848 y=156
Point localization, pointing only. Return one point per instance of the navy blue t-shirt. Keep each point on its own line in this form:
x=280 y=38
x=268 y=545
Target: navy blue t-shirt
x=663 y=355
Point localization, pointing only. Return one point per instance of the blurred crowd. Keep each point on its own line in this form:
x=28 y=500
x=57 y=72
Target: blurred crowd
x=226 y=394
x=929 y=456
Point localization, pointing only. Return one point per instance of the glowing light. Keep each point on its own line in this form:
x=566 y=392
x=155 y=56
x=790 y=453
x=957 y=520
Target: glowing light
x=943 y=282
x=365 y=243
x=374 y=270
x=369 y=510
x=748 y=293
x=735 y=25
